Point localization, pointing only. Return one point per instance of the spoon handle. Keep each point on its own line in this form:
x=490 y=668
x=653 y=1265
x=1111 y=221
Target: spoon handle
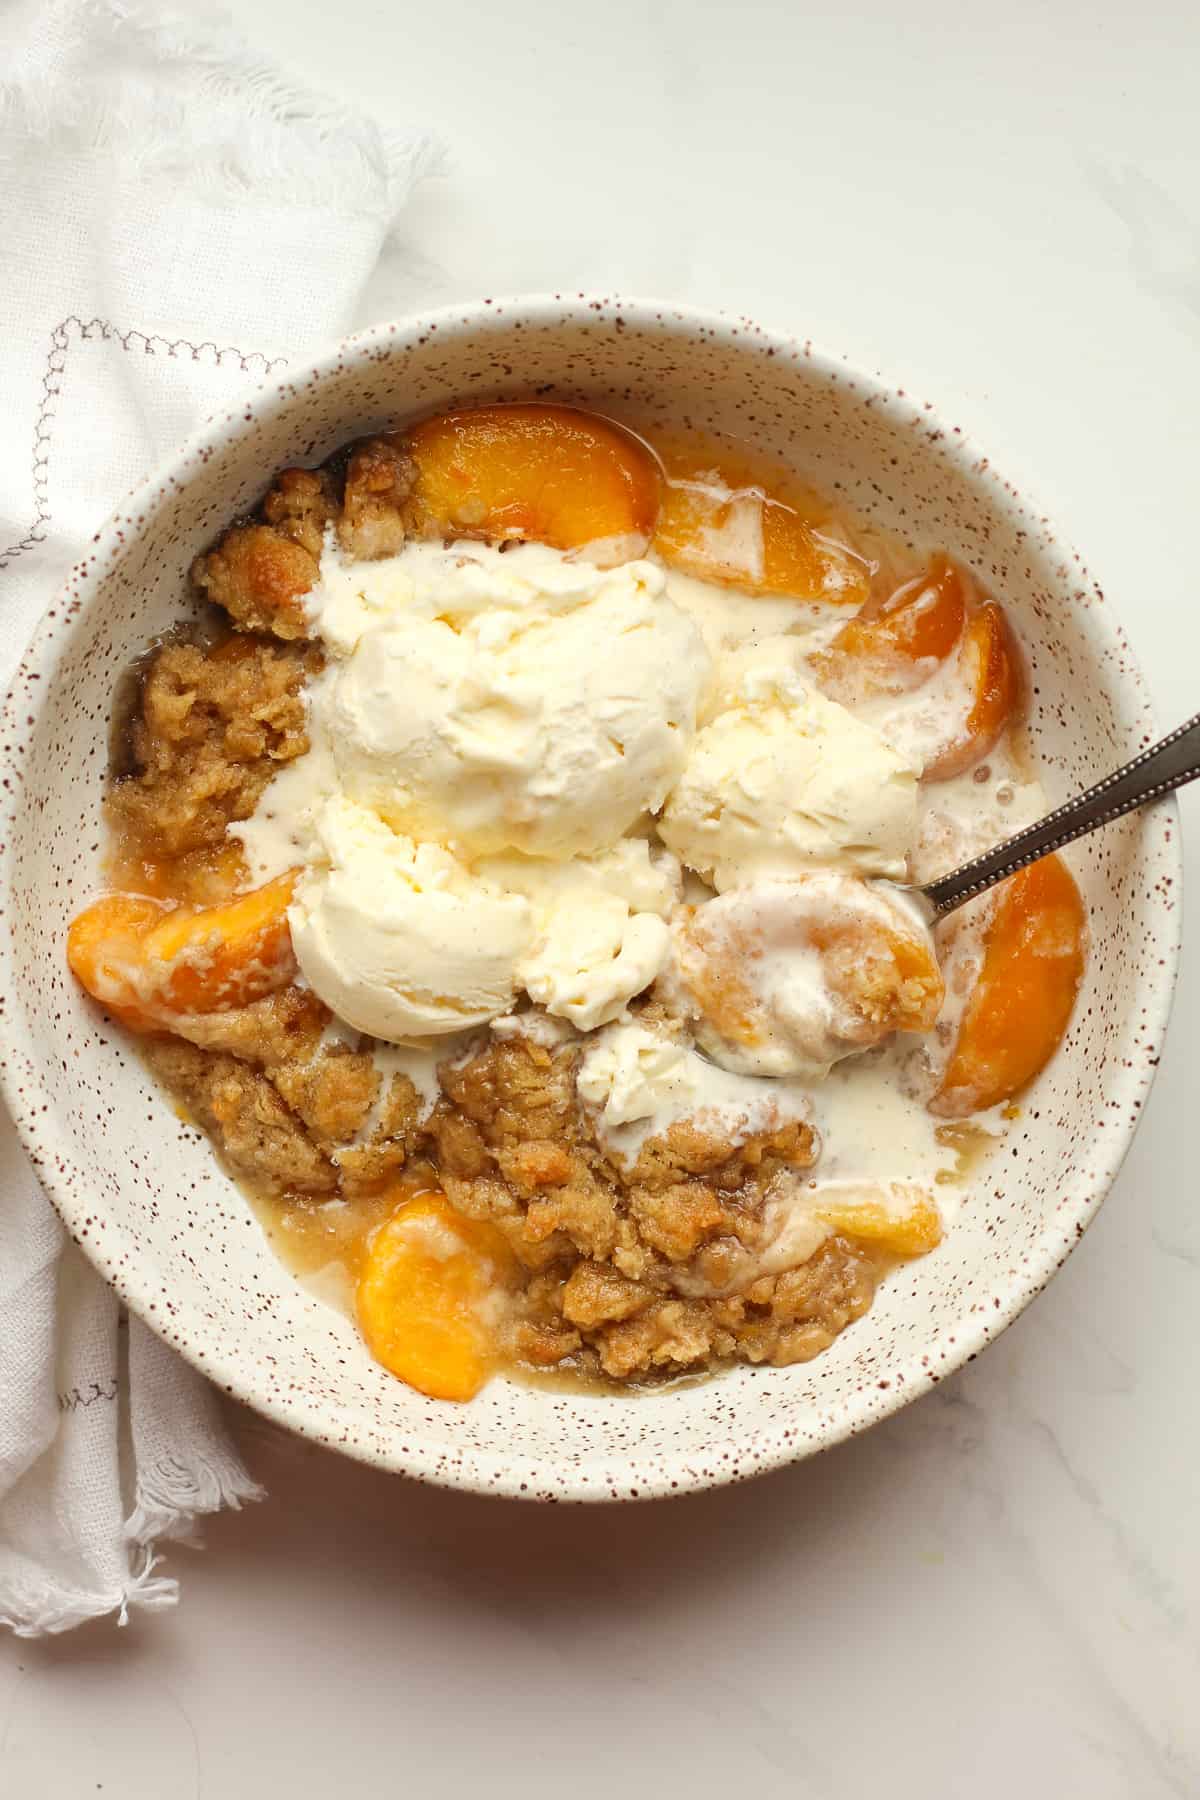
x=1159 y=770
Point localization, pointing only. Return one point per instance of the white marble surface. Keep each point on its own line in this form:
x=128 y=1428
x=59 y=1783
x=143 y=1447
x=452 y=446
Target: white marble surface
x=998 y=1590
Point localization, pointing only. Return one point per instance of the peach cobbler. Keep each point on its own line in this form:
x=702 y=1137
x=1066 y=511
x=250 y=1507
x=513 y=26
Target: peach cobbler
x=502 y=875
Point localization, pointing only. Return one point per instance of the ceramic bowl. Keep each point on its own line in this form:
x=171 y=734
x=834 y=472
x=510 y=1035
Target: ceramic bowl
x=143 y=1195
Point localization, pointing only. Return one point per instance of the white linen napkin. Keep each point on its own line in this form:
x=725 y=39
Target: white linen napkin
x=175 y=218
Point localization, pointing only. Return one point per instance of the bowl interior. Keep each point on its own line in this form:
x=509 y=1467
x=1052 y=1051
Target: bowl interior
x=141 y=1191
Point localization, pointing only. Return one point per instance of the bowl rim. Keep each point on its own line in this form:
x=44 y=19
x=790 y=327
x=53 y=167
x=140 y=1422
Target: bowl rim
x=32 y=1105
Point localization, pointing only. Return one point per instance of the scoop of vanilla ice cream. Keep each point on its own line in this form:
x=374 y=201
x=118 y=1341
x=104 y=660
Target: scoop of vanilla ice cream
x=432 y=580
x=780 y=779
x=398 y=938
x=600 y=934
x=515 y=701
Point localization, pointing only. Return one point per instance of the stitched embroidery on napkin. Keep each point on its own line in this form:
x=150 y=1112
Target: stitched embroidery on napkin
x=239 y=364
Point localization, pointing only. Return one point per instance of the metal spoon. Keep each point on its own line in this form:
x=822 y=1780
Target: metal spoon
x=1157 y=771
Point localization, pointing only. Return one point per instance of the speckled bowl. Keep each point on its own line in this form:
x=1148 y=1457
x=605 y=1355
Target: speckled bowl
x=143 y=1195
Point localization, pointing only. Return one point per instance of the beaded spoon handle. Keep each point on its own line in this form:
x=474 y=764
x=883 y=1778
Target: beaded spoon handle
x=1157 y=771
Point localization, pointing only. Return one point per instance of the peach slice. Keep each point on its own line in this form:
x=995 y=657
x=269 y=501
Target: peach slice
x=148 y=963
x=1022 y=1001
x=550 y=474
x=744 y=537
x=991 y=667
x=429 y=1294
x=890 y=644
x=911 y=1228
x=225 y=955
x=104 y=950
